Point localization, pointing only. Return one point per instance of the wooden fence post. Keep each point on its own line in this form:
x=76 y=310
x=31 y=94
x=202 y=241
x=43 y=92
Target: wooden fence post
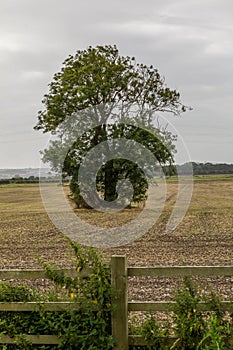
x=120 y=301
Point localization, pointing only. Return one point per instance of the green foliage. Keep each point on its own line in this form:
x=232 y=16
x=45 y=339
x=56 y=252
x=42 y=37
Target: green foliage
x=18 y=323
x=193 y=330
x=119 y=169
x=88 y=328
x=101 y=76
x=112 y=92
x=189 y=321
x=154 y=334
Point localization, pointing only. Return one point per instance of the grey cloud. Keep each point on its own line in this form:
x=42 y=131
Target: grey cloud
x=190 y=42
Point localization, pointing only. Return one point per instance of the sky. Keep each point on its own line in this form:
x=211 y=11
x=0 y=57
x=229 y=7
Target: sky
x=189 y=41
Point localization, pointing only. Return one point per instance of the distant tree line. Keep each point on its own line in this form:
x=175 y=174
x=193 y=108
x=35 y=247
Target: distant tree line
x=206 y=168
x=198 y=169
x=27 y=180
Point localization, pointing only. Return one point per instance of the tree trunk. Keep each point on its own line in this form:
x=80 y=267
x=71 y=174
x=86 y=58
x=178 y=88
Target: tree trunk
x=109 y=182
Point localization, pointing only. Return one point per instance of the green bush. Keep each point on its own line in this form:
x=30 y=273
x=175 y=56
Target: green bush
x=88 y=328
x=192 y=329
x=19 y=323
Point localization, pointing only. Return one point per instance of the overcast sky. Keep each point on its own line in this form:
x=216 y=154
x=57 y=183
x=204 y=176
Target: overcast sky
x=189 y=41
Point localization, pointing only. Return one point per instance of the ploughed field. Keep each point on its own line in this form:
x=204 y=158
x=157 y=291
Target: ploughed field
x=204 y=237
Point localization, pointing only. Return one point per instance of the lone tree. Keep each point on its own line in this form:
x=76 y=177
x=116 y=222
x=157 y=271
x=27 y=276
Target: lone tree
x=118 y=91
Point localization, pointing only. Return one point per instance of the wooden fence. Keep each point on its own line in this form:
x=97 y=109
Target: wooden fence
x=35 y=306
x=119 y=275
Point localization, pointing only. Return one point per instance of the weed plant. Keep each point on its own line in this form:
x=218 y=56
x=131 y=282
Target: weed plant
x=88 y=328
x=191 y=329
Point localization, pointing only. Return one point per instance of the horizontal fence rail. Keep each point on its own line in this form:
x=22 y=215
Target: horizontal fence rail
x=36 y=306
x=37 y=274
x=33 y=339
x=181 y=271
x=168 y=306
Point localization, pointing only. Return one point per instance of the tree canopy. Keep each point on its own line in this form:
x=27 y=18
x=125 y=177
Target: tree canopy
x=116 y=91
